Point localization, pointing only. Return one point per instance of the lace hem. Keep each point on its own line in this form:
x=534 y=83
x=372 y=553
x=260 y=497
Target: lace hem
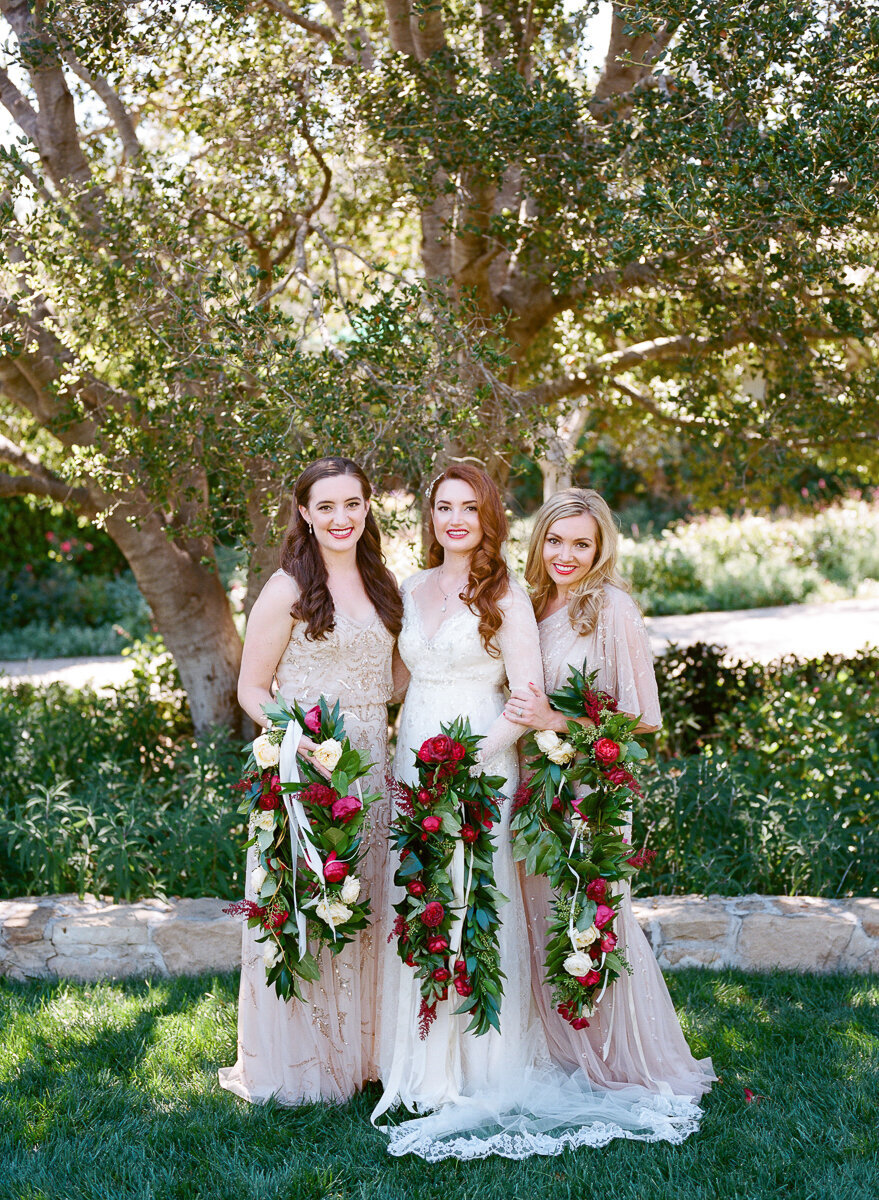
x=668 y=1119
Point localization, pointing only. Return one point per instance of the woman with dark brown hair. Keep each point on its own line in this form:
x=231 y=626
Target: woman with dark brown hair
x=325 y=624
x=468 y=633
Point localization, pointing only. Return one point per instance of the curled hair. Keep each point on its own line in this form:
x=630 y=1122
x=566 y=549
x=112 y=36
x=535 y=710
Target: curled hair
x=585 y=599
x=489 y=578
x=301 y=558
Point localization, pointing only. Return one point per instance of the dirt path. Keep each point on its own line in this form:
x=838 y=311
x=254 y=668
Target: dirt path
x=761 y=634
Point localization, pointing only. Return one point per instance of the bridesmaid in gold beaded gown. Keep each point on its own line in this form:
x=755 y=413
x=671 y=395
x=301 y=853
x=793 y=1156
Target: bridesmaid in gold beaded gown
x=584 y=612
x=324 y=625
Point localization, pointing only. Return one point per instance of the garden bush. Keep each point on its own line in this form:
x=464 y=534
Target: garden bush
x=718 y=563
x=767 y=778
x=113 y=795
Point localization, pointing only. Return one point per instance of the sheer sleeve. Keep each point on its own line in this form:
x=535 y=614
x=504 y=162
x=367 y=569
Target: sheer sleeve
x=519 y=644
x=628 y=659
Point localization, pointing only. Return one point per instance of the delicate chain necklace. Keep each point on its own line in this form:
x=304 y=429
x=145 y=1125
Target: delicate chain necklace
x=445 y=594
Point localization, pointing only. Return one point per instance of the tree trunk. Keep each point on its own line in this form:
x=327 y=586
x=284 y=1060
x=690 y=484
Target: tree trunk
x=556 y=476
x=192 y=613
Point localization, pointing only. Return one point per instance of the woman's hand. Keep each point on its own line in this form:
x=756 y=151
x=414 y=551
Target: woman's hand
x=306 y=752
x=532 y=709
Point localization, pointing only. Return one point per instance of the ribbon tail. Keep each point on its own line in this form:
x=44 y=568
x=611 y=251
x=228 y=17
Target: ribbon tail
x=300 y=828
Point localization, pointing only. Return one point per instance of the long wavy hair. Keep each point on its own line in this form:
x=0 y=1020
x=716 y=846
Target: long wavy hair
x=301 y=557
x=585 y=599
x=489 y=577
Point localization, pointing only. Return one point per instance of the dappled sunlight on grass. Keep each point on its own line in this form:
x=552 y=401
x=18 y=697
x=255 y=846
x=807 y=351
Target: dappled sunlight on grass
x=110 y=1089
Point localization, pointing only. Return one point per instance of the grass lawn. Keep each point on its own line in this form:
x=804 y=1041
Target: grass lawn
x=109 y=1090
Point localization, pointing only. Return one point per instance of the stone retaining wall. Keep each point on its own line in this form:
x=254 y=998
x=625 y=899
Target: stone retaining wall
x=88 y=939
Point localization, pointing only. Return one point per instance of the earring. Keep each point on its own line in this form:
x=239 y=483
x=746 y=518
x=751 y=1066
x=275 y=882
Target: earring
x=310 y=527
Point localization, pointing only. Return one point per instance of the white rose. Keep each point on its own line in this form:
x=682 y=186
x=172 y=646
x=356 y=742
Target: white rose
x=258 y=876
x=546 y=740
x=333 y=912
x=578 y=964
x=561 y=754
x=350 y=889
x=271 y=954
x=584 y=937
x=328 y=753
x=265 y=752
x=263 y=820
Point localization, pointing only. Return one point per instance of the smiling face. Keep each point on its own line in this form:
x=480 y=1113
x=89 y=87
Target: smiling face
x=455 y=516
x=336 y=511
x=570 y=547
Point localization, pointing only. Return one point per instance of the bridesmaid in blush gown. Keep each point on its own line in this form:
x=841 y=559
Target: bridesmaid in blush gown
x=325 y=624
x=584 y=612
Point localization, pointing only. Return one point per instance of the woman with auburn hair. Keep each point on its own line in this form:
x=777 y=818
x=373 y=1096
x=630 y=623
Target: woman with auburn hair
x=633 y=1046
x=468 y=629
x=325 y=624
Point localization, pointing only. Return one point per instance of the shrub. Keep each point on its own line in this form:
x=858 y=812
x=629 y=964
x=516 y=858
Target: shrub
x=784 y=796
x=112 y=794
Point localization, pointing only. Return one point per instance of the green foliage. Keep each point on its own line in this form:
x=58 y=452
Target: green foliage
x=114 y=796
x=66 y=595
x=107 y=1086
x=31 y=535
x=784 y=797
x=714 y=563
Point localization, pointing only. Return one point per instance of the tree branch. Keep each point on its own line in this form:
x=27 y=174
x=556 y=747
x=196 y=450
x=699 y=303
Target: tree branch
x=18 y=107
x=131 y=146
x=629 y=59
x=325 y=32
x=38 y=480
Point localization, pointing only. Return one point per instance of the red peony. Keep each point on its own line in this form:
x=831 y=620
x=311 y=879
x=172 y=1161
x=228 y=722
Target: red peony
x=269 y=801
x=431 y=824
x=436 y=945
x=433 y=914
x=460 y=966
x=312 y=719
x=441 y=974
x=463 y=986
x=622 y=778
x=319 y=795
x=275 y=920
x=409 y=960
x=468 y=834
x=595 y=951
x=436 y=749
x=608 y=942
x=603 y=916
x=597 y=890
x=416 y=888
x=425 y=797
x=589 y=979
x=346 y=808
x=458 y=751
x=606 y=751
x=335 y=869
x=579 y=1023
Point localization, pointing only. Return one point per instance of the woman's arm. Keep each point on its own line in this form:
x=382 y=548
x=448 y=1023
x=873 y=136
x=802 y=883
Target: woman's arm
x=400 y=675
x=519 y=644
x=268 y=632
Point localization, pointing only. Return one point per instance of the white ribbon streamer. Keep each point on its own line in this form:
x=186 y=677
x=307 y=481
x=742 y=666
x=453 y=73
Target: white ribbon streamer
x=462 y=899
x=300 y=829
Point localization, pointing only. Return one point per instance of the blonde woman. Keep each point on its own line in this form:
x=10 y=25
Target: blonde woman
x=584 y=612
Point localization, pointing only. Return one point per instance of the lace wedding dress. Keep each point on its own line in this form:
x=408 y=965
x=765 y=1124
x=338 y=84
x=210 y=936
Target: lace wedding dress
x=324 y=1047
x=500 y=1093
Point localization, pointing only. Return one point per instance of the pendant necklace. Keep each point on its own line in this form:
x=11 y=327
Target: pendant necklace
x=445 y=595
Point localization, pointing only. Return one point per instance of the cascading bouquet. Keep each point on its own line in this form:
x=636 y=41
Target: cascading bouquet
x=567 y=824
x=308 y=838
x=447 y=921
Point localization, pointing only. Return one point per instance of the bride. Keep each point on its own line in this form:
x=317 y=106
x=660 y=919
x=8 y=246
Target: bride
x=469 y=630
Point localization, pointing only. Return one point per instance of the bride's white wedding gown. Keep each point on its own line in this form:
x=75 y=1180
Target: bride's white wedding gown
x=500 y=1093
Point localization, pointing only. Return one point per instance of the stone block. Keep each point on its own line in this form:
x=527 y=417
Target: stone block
x=862 y=953
x=30 y=961
x=117 y=926
x=808 y=942
x=692 y=919
x=693 y=955
x=25 y=922
x=866 y=909
x=198 y=936
x=106 y=963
